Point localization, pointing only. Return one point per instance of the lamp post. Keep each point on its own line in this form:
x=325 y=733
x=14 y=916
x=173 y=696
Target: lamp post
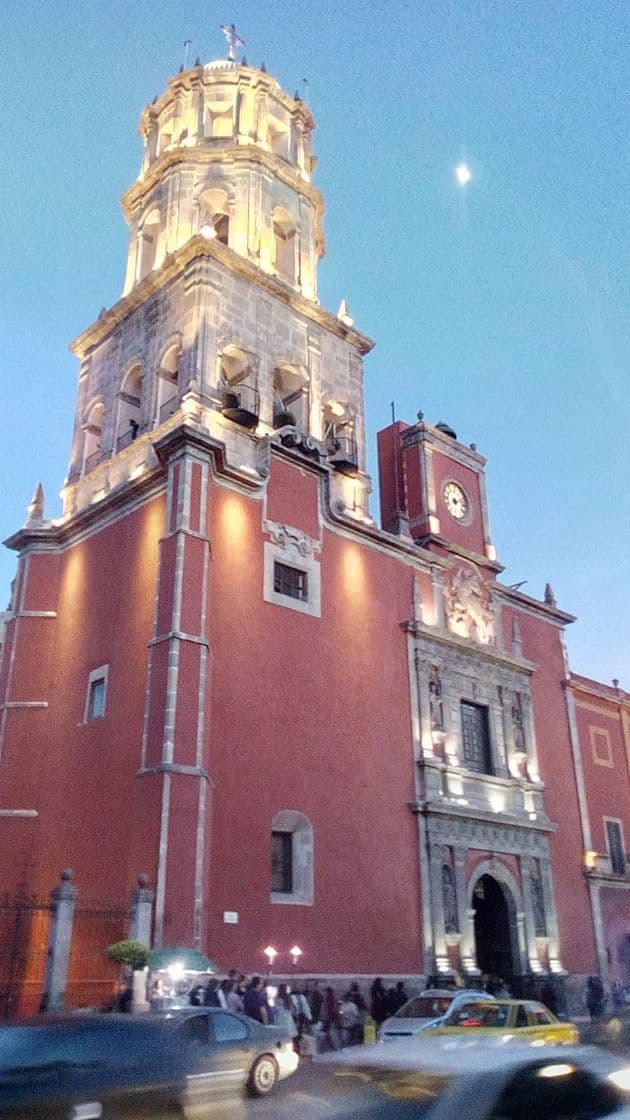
x=271 y=955
x=295 y=953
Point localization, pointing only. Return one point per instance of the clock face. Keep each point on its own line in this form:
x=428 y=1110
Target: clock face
x=455 y=501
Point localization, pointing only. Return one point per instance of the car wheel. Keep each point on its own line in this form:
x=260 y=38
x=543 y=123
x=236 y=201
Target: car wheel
x=263 y=1076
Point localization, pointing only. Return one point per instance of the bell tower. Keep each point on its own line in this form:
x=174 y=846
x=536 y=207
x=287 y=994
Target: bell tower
x=219 y=321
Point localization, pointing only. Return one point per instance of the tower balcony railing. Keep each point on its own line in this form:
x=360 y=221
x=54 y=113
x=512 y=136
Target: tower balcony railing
x=343 y=453
x=168 y=409
x=92 y=460
x=241 y=403
x=128 y=437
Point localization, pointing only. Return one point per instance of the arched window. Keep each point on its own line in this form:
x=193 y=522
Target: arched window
x=240 y=398
x=93 y=433
x=168 y=386
x=285 y=243
x=129 y=424
x=292 y=858
x=214 y=214
x=147 y=243
x=290 y=397
x=339 y=436
x=166 y=135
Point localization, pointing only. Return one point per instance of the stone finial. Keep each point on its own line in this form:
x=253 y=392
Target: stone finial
x=36 y=507
x=244 y=61
x=65 y=874
x=263 y=68
x=615 y=682
x=344 y=314
x=517 y=638
x=143 y=880
x=550 y=598
x=197 y=61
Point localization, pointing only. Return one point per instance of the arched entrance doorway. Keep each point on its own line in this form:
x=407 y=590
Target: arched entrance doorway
x=493 y=929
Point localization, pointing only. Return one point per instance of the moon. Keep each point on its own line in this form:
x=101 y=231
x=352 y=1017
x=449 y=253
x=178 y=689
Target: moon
x=462 y=174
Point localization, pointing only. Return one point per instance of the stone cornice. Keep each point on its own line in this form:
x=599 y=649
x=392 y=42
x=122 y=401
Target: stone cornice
x=476 y=558
x=473 y=649
x=175 y=265
x=247 y=153
x=453 y=448
x=468 y=813
x=533 y=606
x=200 y=77
x=604 y=693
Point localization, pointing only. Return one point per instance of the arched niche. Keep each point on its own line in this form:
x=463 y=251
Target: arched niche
x=290 y=396
x=93 y=434
x=129 y=420
x=214 y=214
x=167 y=400
x=284 y=243
x=338 y=422
x=148 y=234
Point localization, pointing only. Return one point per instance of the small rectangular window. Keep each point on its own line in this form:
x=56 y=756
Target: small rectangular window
x=290 y=581
x=282 y=862
x=96 y=694
x=615 y=848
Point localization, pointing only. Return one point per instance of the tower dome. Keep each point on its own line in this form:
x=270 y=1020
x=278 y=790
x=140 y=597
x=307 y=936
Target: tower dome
x=227 y=154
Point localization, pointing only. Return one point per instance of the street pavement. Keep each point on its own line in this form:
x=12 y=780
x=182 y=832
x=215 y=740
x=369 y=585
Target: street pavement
x=316 y=1093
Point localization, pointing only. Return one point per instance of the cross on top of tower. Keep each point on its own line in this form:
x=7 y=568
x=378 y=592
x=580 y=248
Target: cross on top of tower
x=233 y=40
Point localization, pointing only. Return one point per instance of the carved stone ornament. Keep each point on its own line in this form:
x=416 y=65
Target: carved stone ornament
x=468 y=605
x=291 y=540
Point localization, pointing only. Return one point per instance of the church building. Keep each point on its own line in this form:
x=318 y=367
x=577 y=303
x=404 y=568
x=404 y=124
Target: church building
x=304 y=730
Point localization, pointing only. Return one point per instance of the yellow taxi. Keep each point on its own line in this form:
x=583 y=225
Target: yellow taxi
x=524 y=1020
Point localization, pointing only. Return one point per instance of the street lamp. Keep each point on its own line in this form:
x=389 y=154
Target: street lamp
x=271 y=955
x=296 y=953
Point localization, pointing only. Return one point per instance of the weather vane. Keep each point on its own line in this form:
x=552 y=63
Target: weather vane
x=233 y=40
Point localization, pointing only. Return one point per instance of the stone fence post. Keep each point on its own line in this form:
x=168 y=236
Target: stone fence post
x=63 y=900
x=141 y=912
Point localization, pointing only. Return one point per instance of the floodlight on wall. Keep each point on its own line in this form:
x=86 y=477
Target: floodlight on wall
x=296 y=953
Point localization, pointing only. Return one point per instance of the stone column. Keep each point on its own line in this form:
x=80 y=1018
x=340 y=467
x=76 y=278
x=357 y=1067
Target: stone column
x=551 y=919
x=141 y=913
x=421 y=668
x=63 y=900
x=466 y=926
x=437 y=907
x=529 y=923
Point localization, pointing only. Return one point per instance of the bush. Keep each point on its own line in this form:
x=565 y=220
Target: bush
x=132 y=953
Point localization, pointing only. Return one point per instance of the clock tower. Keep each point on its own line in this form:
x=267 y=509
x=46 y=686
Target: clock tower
x=433 y=489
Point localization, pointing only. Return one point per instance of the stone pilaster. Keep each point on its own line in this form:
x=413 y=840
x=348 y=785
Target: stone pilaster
x=174 y=749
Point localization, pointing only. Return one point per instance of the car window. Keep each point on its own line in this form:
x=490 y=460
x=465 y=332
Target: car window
x=521 y=1017
x=194 y=1029
x=480 y=1015
x=542 y=1094
x=538 y=1017
x=424 y=1007
x=227 y=1028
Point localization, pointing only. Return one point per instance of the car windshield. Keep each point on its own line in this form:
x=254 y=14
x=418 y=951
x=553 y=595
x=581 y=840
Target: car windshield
x=425 y=1007
x=480 y=1015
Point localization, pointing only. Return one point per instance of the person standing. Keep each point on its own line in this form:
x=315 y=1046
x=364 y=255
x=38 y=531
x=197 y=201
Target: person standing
x=595 y=998
x=255 y=1003
x=315 y=999
x=396 y=997
x=329 y=1018
x=284 y=1012
x=378 y=1001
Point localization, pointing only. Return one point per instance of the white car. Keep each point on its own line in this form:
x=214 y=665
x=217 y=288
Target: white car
x=484 y=1079
x=428 y=1010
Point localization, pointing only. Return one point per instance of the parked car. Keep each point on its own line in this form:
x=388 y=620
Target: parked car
x=482 y=1079
x=86 y=1067
x=524 y=1019
x=231 y=1051
x=428 y=1010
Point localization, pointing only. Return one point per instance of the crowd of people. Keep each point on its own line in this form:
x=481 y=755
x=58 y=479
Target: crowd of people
x=308 y=1010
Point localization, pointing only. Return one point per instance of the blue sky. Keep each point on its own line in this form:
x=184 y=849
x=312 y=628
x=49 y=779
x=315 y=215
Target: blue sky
x=502 y=308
